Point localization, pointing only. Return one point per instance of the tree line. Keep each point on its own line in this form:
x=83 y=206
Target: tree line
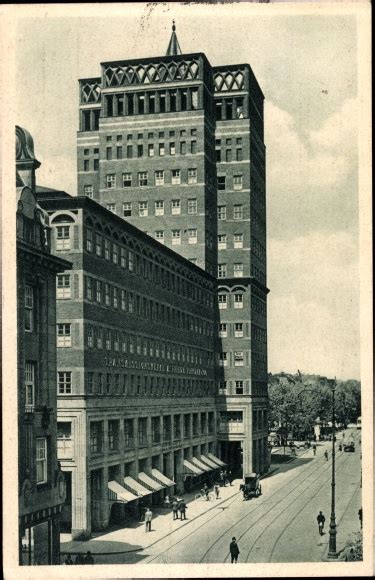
x=298 y=401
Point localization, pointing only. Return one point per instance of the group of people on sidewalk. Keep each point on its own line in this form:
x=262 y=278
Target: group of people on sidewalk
x=80 y=559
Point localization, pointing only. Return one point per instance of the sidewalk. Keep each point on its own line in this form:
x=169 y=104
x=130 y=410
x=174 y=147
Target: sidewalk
x=134 y=538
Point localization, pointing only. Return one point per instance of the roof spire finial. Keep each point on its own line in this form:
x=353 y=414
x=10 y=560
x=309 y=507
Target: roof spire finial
x=173 y=46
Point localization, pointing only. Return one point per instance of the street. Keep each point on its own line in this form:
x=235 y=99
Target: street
x=280 y=526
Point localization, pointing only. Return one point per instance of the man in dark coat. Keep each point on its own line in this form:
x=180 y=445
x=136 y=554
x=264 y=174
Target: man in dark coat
x=182 y=508
x=234 y=551
x=88 y=558
x=175 y=509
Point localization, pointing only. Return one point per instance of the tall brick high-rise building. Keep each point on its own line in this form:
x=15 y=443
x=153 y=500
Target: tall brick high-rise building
x=176 y=147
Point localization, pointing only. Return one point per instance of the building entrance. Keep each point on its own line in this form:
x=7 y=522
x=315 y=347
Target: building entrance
x=231 y=454
x=66 y=514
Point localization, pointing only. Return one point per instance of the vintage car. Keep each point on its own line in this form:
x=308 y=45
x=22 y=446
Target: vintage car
x=251 y=486
x=349 y=446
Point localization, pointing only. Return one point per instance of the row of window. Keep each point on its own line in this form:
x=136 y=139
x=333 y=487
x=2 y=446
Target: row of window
x=171 y=427
x=237 y=212
x=224 y=301
x=235 y=358
x=136 y=385
x=235 y=329
x=229 y=155
x=165 y=101
x=131 y=261
x=132 y=303
x=222 y=241
x=238 y=270
x=160 y=177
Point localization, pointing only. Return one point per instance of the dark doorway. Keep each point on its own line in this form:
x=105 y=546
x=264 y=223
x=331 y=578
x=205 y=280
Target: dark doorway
x=66 y=514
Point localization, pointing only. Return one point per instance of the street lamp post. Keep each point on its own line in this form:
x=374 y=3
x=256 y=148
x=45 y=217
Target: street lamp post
x=332 y=553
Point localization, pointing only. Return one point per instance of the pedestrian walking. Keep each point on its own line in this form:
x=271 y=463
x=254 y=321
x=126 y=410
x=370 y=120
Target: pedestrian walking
x=182 y=509
x=69 y=561
x=221 y=477
x=314 y=449
x=205 y=490
x=148 y=519
x=79 y=559
x=175 y=509
x=326 y=455
x=225 y=477
x=88 y=558
x=360 y=515
x=320 y=519
x=234 y=550
x=217 y=490
x=141 y=510
x=230 y=477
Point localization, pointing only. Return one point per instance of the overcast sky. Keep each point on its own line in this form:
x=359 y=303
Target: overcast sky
x=307 y=68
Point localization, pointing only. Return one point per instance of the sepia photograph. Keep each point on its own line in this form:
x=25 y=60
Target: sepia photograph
x=186 y=267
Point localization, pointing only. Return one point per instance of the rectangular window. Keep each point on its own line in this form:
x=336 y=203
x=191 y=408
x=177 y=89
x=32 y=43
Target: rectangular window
x=142 y=178
x=89 y=237
x=238 y=240
x=238 y=329
x=96 y=436
x=140 y=150
x=193 y=147
x=88 y=191
x=86 y=165
x=130 y=262
x=109 y=153
x=64 y=382
x=98 y=291
x=64 y=336
x=222 y=212
x=99 y=338
x=159 y=207
x=238 y=358
x=182 y=147
x=161 y=149
x=176 y=177
x=228 y=155
x=221 y=270
x=108 y=384
x=89 y=385
x=89 y=288
x=96 y=164
x=126 y=180
x=129 y=151
x=115 y=253
x=218 y=155
x=107 y=249
x=239 y=387
x=237 y=212
x=29 y=386
x=111 y=207
x=237 y=182
x=176 y=206
x=222 y=241
x=172 y=148
x=29 y=308
x=159 y=235
x=64 y=430
x=41 y=460
x=159 y=177
x=192 y=176
x=223 y=330
x=127 y=209
x=238 y=300
x=192 y=206
x=192 y=236
x=238 y=154
x=63 y=238
x=223 y=360
x=228 y=141
x=90 y=336
x=239 y=141
x=151 y=150
x=221 y=182
x=113 y=435
x=238 y=270
x=143 y=208
x=115 y=297
x=111 y=181
x=107 y=294
x=176 y=237
x=100 y=383
x=223 y=302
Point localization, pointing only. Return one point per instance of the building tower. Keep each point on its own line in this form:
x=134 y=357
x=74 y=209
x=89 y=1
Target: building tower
x=41 y=482
x=175 y=146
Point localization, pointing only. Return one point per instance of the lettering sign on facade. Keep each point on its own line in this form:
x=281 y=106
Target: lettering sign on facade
x=125 y=363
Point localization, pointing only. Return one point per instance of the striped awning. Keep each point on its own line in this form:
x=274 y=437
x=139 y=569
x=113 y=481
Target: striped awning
x=136 y=487
x=162 y=478
x=209 y=462
x=200 y=464
x=155 y=486
x=216 y=459
x=193 y=468
x=118 y=493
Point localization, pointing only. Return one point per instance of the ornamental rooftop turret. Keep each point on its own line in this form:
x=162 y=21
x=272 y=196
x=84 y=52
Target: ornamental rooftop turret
x=173 y=46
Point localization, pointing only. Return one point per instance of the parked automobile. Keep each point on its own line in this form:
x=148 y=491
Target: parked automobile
x=349 y=446
x=251 y=486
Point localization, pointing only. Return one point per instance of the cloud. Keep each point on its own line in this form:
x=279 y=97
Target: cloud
x=314 y=304
x=311 y=175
